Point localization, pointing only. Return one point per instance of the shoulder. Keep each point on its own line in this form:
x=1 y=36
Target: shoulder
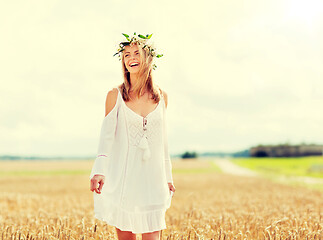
x=164 y=94
x=113 y=93
x=111 y=100
x=165 y=97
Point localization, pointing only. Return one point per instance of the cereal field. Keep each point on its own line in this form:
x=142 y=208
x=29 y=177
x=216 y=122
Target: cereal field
x=52 y=201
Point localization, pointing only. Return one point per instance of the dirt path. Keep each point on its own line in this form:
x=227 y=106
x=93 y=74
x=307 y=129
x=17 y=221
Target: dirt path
x=228 y=166
x=308 y=180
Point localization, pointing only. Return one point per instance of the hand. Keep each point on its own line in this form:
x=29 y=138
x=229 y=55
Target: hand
x=171 y=187
x=97 y=179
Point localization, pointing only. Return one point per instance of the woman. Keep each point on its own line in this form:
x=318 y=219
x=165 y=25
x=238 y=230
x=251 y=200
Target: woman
x=132 y=174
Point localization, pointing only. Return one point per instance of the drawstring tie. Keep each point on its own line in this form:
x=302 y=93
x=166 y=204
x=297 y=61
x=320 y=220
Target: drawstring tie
x=143 y=144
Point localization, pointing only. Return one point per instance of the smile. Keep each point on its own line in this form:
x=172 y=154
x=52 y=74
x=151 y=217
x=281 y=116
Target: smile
x=134 y=64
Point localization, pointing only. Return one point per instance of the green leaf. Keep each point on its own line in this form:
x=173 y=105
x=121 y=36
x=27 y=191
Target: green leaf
x=142 y=36
x=134 y=33
x=126 y=35
x=159 y=55
x=115 y=53
x=149 y=36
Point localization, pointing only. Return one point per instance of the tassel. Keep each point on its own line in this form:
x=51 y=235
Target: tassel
x=143 y=144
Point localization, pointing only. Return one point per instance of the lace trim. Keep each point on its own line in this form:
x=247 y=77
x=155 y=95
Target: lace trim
x=136 y=130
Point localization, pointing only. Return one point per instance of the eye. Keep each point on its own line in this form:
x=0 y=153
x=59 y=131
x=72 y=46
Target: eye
x=126 y=55
x=137 y=53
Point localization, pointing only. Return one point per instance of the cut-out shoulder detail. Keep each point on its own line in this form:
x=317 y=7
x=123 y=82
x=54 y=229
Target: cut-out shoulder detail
x=111 y=100
x=160 y=90
x=165 y=98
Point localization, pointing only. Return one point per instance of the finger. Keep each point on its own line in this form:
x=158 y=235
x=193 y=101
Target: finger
x=97 y=190
x=93 y=185
x=100 y=185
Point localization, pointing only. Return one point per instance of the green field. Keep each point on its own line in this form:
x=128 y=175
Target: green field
x=302 y=166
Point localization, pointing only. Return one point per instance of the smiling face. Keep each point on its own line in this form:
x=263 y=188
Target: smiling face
x=131 y=57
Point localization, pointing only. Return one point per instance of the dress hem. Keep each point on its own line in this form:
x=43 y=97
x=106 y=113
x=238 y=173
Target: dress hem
x=127 y=229
x=135 y=222
x=114 y=224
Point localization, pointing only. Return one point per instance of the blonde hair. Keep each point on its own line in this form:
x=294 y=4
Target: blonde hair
x=145 y=80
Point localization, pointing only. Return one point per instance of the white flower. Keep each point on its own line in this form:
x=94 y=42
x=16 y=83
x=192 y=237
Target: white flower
x=146 y=44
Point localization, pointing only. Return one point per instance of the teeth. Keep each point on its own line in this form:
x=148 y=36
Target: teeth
x=133 y=64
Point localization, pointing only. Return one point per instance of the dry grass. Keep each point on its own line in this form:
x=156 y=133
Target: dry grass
x=205 y=206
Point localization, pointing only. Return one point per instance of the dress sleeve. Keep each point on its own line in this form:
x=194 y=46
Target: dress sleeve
x=107 y=135
x=168 y=163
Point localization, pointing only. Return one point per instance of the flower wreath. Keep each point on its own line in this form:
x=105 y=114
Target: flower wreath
x=142 y=41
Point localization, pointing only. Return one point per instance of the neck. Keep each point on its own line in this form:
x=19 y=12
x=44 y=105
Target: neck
x=133 y=81
x=133 y=78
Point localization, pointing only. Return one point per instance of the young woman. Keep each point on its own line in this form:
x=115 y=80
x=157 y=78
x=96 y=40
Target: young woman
x=132 y=174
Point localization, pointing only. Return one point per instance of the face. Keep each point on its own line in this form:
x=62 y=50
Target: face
x=131 y=57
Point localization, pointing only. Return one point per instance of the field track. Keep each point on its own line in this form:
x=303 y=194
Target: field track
x=206 y=205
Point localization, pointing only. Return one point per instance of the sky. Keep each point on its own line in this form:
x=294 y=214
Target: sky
x=237 y=73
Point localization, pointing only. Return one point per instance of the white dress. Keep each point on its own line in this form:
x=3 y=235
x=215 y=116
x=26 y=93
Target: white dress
x=133 y=156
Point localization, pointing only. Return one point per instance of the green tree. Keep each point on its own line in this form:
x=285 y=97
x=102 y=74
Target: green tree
x=189 y=155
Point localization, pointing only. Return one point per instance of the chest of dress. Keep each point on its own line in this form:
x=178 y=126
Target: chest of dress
x=149 y=127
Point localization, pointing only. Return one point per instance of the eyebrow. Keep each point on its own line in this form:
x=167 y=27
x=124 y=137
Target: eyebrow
x=134 y=51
